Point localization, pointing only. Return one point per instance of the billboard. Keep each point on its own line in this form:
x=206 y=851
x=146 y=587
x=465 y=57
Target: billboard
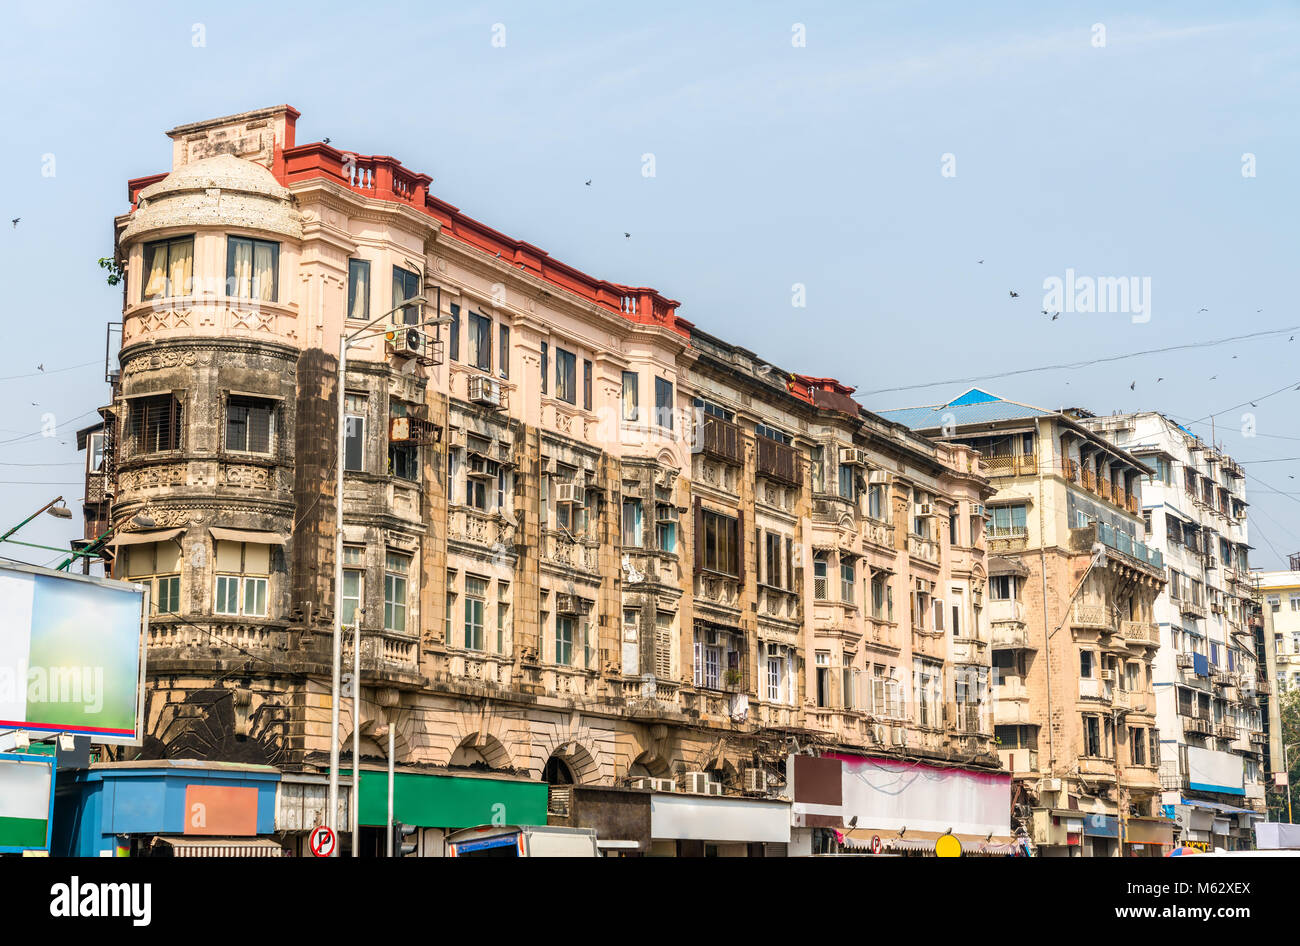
x=72 y=654
x=1211 y=771
x=26 y=802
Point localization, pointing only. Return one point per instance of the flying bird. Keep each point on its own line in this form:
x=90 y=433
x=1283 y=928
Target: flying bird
x=1212 y=377
x=1014 y=294
x=40 y=367
x=15 y=220
x=326 y=140
x=588 y=182
x=1055 y=316
x=627 y=235
x=1203 y=310
x=1158 y=380
x=1133 y=386
x=980 y=261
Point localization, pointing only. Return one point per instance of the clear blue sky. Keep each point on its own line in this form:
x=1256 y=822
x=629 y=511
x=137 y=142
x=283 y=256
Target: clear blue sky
x=775 y=165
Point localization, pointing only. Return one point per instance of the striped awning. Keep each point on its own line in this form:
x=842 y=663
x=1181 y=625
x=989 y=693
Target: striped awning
x=222 y=847
x=924 y=842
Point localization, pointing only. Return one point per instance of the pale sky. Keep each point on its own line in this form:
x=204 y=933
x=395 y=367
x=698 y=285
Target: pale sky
x=775 y=164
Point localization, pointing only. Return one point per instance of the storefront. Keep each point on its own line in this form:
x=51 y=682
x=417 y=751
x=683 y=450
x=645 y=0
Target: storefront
x=166 y=808
x=854 y=804
x=1148 y=837
x=702 y=826
x=438 y=804
x=302 y=804
x=1208 y=825
x=1100 y=835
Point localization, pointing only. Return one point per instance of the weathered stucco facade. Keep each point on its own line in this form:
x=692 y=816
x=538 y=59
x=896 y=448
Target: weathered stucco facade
x=601 y=546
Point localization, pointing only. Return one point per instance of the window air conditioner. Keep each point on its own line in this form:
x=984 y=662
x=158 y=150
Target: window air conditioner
x=666 y=513
x=924 y=509
x=567 y=493
x=852 y=456
x=485 y=390
x=713 y=788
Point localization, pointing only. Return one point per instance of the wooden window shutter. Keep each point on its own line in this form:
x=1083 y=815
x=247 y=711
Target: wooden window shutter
x=699 y=536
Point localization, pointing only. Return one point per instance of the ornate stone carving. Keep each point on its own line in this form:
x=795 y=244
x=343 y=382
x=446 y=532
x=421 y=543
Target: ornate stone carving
x=153 y=477
x=162 y=359
x=254 y=477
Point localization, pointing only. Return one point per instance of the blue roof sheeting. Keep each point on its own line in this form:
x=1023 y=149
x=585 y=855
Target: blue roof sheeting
x=973 y=407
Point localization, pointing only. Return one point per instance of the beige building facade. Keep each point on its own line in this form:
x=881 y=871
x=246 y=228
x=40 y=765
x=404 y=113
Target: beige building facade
x=583 y=541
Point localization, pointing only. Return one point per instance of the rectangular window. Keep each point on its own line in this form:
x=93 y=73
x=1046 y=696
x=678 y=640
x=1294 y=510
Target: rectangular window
x=1007 y=521
x=772 y=556
x=252 y=269
x=359 y=289
x=168 y=268
x=503 y=360
x=847 y=583
x=353 y=583
x=354 y=433
x=666 y=527
x=876 y=501
x=153 y=424
x=848 y=483
x=453 y=337
x=564 y=639
x=403 y=458
x=480 y=341
x=503 y=614
x=449 y=615
x=167 y=595
x=586 y=385
x=1085 y=664
x=664 y=645
x=721 y=545
x=406 y=285
x=1091 y=736
x=664 y=403
x=632 y=525
x=820 y=591
x=250 y=424
x=566 y=376
x=878 y=588
x=631 y=402
x=475 y=603
x=242 y=568
x=545 y=364
x=396 y=568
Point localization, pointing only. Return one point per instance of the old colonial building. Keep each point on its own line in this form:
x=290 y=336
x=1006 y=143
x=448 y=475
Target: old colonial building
x=1074 y=634
x=583 y=541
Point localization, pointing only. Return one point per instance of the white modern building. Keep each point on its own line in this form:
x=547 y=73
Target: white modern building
x=1208 y=674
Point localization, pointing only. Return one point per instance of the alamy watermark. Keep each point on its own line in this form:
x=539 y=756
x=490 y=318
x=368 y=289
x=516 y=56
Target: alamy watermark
x=1129 y=295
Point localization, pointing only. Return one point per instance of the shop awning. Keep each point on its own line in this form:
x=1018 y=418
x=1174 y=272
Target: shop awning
x=255 y=536
x=924 y=841
x=222 y=847
x=701 y=818
x=1149 y=831
x=1217 y=806
x=144 y=538
x=450 y=801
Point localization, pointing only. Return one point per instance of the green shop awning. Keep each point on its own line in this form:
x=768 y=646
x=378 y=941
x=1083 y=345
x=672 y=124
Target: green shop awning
x=450 y=801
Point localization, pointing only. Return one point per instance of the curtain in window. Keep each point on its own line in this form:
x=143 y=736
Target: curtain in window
x=359 y=290
x=181 y=258
x=241 y=268
x=156 y=285
x=264 y=271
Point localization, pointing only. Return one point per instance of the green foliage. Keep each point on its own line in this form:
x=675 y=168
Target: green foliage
x=1288 y=704
x=114 y=267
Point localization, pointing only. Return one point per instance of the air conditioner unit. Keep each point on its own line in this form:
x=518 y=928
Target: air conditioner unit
x=978 y=510
x=879 y=733
x=897 y=736
x=643 y=782
x=1108 y=676
x=852 y=456
x=1050 y=785
x=457 y=437
x=666 y=513
x=924 y=509
x=485 y=390
x=696 y=783
x=1185 y=661
x=755 y=780
x=663 y=785
x=480 y=467
x=566 y=604
x=713 y=788
x=408 y=341
x=567 y=493
x=877 y=477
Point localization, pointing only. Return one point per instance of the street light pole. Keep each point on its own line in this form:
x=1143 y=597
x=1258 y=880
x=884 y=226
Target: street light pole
x=374 y=328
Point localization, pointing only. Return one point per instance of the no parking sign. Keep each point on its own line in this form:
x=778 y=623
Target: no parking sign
x=323 y=841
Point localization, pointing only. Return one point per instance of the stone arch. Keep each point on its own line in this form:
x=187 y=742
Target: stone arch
x=575 y=755
x=486 y=747
x=375 y=719
x=649 y=765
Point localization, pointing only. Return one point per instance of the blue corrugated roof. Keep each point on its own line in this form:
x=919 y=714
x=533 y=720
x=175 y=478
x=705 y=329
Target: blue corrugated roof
x=973 y=407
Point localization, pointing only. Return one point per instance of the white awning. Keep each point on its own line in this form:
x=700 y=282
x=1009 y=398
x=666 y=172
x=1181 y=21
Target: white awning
x=223 y=847
x=256 y=536
x=701 y=818
x=143 y=538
